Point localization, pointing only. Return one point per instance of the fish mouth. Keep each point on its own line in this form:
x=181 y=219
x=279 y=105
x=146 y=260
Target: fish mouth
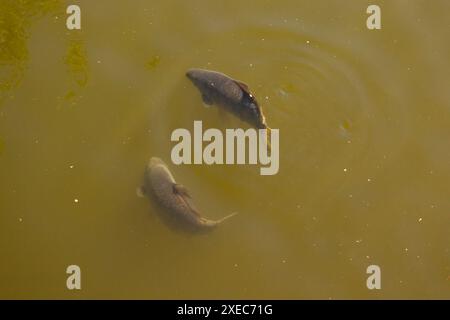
x=154 y=161
x=195 y=74
x=191 y=73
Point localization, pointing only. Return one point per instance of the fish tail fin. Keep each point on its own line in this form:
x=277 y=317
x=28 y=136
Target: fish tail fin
x=214 y=223
x=268 y=138
x=227 y=217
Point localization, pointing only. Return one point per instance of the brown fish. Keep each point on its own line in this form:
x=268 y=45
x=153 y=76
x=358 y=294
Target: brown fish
x=173 y=196
x=232 y=95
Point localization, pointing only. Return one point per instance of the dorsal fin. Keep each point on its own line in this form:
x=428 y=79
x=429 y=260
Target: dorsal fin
x=243 y=85
x=181 y=190
x=245 y=89
x=184 y=195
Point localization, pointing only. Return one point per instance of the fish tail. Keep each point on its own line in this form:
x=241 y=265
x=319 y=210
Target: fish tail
x=213 y=223
x=227 y=217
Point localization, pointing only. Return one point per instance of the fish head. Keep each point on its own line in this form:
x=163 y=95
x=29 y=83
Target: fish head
x=152 y=164
x=155 y=166
x=202 y=79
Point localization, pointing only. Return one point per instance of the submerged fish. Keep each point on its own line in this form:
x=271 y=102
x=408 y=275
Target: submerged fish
x=173 y=196
x=232 y=95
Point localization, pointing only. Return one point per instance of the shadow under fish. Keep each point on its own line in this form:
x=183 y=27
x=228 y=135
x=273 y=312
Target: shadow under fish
x=232 y=95
x=178 y=211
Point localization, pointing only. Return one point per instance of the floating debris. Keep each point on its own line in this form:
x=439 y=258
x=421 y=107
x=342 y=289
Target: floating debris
x=70 y=95
x=153 y=62
x=77 y=63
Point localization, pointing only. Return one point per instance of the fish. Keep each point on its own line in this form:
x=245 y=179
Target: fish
x=160 y=183
x=232 y=95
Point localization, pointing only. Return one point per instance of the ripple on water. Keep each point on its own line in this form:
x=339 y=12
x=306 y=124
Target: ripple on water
x=334 y=108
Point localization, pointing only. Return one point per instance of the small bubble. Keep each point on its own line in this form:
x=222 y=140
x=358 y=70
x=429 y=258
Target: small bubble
x=345 y=169
x=75 y=200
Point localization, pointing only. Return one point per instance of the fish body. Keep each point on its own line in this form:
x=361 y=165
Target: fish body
x=173 y=196
x=232 y=95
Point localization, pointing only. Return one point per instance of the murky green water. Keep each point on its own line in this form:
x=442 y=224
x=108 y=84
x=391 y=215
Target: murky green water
x=364 y=119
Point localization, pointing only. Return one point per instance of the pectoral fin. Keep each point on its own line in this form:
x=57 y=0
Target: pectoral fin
x=140 y=191
x=181 y=190
x=207 y=100
x=242 y=85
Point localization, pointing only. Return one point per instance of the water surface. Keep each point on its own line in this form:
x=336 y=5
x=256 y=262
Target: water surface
x=364 y=119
